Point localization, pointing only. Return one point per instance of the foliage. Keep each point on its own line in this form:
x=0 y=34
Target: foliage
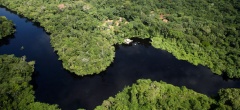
x=15 y=91
x=6 y=27
x=152 y=95
x=148 y=95
x=93 y=55
x=229 y=99
x=83 y=33
x=75 y=34
x=202 y=32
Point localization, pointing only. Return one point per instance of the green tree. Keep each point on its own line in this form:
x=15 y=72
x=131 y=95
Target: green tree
x=15 y=91
x=6 y=27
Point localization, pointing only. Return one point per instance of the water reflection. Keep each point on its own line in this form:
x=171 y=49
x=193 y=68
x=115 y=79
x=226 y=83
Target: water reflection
x=53 y=84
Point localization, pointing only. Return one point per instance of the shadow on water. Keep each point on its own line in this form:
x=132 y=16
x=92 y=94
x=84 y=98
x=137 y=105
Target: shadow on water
x=6 y=40
x=55 y=85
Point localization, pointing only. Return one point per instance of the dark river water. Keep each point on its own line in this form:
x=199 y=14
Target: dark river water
x=54 y=85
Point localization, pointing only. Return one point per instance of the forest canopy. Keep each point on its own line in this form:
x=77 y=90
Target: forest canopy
x=153 y=95
x=83 y=32
x=6 y=27
x=15 y=91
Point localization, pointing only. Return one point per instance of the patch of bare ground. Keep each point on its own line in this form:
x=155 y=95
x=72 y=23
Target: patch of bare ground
x=61 y=6
x=162 y=17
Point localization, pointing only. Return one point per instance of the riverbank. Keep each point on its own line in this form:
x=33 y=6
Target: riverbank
x=85 y=44
x=6 y=27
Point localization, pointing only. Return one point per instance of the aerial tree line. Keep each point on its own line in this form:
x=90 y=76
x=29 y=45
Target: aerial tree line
x=6 y=27
x=83 y=32
x=15 y=91
x=153 y=95
x=74 y=35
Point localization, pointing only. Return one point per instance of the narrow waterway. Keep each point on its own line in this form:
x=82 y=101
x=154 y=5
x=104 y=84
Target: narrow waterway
x=55 y=85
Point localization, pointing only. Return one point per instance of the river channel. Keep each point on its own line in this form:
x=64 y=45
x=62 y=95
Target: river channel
x=55 y=85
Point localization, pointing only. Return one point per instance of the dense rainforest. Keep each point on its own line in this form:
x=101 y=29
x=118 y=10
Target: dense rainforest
x=6 y=27
x=15 y=75
x=152 y=95
x=83 y=32
x=15 y=91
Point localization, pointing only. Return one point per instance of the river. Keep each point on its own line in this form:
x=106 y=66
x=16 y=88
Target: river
x=55 y=85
